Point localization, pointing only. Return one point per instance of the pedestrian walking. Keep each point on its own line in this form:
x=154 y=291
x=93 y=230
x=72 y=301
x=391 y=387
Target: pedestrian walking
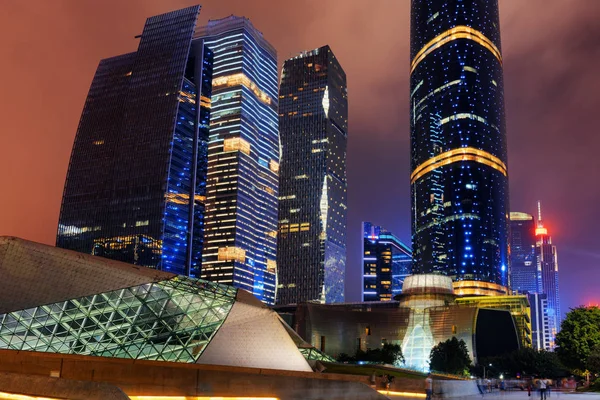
x=542 y=383
x=428 y=387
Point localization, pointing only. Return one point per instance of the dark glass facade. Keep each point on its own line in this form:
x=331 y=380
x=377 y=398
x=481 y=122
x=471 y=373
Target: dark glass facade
x=459 y=183
x=386 y=262
x=136 y=179
x=313 y=125
x=243 y=159
x=523 y=265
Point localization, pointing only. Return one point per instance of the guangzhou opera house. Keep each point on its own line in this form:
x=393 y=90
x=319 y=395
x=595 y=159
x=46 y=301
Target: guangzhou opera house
x=98 y=322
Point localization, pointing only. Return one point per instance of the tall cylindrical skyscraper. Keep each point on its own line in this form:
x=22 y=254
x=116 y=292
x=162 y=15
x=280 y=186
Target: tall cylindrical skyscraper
x=459 y=177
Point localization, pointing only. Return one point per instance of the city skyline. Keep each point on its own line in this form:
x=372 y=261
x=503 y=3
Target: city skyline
x=380 y=141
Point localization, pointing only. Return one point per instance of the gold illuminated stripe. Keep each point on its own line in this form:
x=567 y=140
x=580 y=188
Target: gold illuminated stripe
x=199 y=398
x=459 y=32
x=458 y=155
x=462 y=150
x=391 y=393
x=14 y=396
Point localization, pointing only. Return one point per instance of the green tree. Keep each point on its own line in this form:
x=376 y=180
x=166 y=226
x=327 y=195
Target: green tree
x=579 y=335
x=593 y=361
x=451 y=357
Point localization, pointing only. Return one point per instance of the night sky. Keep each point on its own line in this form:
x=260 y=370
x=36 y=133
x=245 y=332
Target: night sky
x=551 y=48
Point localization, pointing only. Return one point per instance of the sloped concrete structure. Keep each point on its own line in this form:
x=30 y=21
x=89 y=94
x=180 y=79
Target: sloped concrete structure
x=59 y=301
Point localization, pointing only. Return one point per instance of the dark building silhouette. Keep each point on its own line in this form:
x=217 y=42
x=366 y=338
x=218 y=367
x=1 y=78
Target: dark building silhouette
x=459 y=182
x=523 y=265
x=313 y=125
x=386 y=262
x=136 y=181
x=243 y=159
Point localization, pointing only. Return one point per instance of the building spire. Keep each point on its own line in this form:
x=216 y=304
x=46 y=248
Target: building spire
x=540 y=230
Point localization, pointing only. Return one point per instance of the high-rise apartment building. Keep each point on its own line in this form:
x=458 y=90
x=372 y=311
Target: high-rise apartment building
x=313 y=124
x=243 y=159
x=523 y=265
x=386 y=262
x=459 y=178
x=547 y=265
x=135 y=186
x=540 y=324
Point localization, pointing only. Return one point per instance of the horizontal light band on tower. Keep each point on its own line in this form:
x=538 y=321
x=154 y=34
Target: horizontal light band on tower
x=457 y=155
x=458 y=32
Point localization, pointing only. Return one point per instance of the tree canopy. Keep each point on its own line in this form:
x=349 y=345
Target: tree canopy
x=528 y=361
x=451 y=357
x=579 y=336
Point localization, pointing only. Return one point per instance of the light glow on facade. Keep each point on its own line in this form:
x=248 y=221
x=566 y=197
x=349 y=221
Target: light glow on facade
x=458 y=32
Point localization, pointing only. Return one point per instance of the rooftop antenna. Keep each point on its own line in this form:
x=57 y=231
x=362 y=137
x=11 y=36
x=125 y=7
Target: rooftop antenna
x=539 y=213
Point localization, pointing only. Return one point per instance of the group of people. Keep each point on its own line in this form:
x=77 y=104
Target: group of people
x=486 y=386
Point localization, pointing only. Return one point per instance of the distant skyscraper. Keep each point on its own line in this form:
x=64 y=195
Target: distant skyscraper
x=386 y=262
x=540 y=328
x=459 y=182
x=135 y=186
x=523 y=265
x=313 y=122
x=547 y=265
x=243 y=159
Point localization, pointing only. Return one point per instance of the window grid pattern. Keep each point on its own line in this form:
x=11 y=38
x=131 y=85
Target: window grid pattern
x=242 y=180
x=313 y=120
x=171 y=320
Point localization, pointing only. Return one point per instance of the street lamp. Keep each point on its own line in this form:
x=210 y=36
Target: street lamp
x=484 y=374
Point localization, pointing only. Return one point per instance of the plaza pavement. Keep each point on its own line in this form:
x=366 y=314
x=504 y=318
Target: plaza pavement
x=514 y=395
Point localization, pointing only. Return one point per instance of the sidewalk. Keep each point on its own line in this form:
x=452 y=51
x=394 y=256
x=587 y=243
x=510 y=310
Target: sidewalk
x=514 y=395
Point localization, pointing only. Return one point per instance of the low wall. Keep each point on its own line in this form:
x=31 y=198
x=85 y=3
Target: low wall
x=45 y=386
x=143 y=378
x=448 y=388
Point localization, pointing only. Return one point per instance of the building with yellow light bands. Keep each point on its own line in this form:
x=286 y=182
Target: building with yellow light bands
x=243 y=159
x=459 y=173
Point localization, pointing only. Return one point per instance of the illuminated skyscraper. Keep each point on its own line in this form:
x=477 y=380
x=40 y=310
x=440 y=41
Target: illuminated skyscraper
x=386 y=262
x=523 y=265
x=540 y=324
x=547 y=265
x=136 y=181
x=243 y=159
x=459 y=182
x=313 y=121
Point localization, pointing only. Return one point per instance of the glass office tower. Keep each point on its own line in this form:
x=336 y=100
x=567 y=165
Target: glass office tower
x=135 y=184
x=523 y=265
x=459 y=182
x=386 y=262
x=313 y=122
x=243 y=159
x=547 y=265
